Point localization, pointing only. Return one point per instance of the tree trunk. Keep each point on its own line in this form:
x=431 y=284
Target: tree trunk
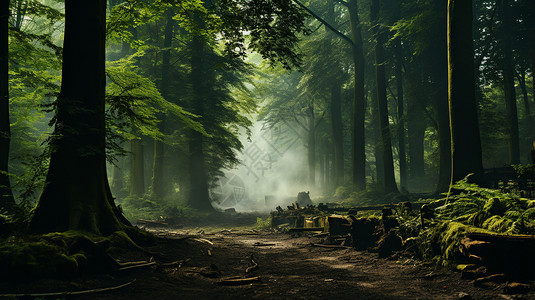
x=401 y=116
x=137 y=171
x=6 y=195
x=311 y=149
x=509 y=85
x=198 y=194
x=359 y=154
x=158 y=189
x=338 y=138
x=527 y=107
x=76 y=194
x=461 y=94
x=444 y=135
x=382 y=101
x=377 y=142
x=416 y=125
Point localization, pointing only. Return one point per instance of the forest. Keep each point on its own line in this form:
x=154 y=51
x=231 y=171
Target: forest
x=142 y=140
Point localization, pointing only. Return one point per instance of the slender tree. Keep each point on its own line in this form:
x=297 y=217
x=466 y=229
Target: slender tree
x=380 y=79
x=466 y=143
x=509 y=83
x=157 y=174
x=6 y=195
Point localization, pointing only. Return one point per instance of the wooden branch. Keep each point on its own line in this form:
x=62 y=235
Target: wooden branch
x=301 y=229
x=239 y=281
x=330 y=246
x=254 y=267
x=317 y=17
x=84 y=292
x=128 y=268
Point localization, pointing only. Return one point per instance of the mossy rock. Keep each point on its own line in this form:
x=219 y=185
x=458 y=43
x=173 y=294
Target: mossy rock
x=28 y=260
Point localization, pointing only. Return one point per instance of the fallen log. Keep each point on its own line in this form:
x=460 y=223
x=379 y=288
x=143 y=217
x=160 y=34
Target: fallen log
x=509 y=254
x=152 y=223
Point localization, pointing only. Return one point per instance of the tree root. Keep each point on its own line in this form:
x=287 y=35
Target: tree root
x=83 y=292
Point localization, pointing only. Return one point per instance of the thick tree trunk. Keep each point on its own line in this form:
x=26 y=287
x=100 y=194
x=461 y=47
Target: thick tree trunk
x=6 y=195
x=401 y=116
x=158 y=189
x=461 y=95
x=509 y=85
x=337 y=129
x=198 y=194
x=76 y=194
x=359 y=154
x=382 y=101
x=311 y=149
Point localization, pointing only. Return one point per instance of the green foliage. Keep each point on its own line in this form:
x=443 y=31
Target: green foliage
x=263 y=223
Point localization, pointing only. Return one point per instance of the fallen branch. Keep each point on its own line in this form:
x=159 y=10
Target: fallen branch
x=84 y=292
x=329 y=246
x=137 y=266
x=152 y=223
x=259 y=244
x=301 y=229
x=239 y=281
x=205 y=241
x=254 y=266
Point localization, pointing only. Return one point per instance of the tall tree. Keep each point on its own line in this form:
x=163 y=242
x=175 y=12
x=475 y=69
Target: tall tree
x=6 y=195
x=466 y=143
x=157 y=174
x=380 y=79
x=509 y=83
x=76 y=194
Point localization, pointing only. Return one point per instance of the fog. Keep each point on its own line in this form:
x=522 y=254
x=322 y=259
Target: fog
x=273 y=169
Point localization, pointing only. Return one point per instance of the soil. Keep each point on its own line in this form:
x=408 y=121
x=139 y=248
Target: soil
x=288 y=267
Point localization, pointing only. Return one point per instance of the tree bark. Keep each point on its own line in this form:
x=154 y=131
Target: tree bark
x=198 y=194
x=401 y=116
x=158 y=189
x=137 y=171
x=6 y=195
x=359 y=154
x=466 y=149
x=337 y=128
x=416 y=125
x=311 y=149
x=382 y=101
x=377 y=142
x=509 y=85
x=76 y=194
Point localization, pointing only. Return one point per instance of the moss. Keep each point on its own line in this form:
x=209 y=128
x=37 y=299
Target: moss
x=499 y=224
x=28 y=260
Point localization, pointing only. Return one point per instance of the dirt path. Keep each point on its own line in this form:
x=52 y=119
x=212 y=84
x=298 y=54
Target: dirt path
x=289 y=268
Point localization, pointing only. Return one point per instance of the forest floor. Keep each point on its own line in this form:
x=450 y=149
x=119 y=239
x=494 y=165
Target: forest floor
x=287 y=267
